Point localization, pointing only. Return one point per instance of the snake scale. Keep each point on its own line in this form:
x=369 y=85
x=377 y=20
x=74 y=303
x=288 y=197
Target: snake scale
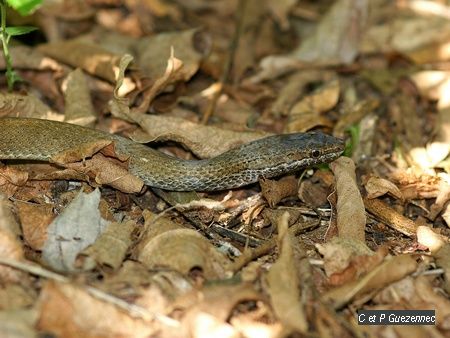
x=35 y=139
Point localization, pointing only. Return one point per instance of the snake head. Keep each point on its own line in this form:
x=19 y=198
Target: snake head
x=281 y=154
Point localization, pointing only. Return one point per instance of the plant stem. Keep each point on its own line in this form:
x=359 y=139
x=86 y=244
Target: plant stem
x=4 y=39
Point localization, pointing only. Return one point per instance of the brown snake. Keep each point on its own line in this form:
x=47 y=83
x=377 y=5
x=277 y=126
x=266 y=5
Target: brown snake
x=34 y=139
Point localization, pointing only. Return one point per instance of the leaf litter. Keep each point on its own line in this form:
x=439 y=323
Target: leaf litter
x=87 y=250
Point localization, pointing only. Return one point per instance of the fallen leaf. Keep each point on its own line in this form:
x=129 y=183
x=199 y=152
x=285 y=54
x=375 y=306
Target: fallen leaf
x=72 y=231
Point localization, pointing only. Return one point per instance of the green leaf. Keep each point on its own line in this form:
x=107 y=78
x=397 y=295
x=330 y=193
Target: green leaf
x=350 y=145
x=19 y=30
x=24 y=7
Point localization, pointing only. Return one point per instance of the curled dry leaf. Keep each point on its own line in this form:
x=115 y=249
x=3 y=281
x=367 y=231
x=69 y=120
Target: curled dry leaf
x=116 y=235
x=358 y=265
x=108 y=172
x=183 y=250
x=104 y=170
x=172 y=74
x=153 y=51
x=340 y=252
x=427 y=237
x=293 y=88
x=283 y=282
x=417 y=185
x=351 y=215
x=376 y=187
x=342 y=27
x=391 y=270
x=306 y=114
x=441 y=202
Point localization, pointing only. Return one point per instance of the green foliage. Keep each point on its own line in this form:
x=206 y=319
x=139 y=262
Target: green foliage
x=19 y=30
x=24 y=7
x=353 y=141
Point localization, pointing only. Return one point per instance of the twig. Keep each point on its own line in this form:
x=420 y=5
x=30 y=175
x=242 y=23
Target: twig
x=228 y=62
x=134 y=310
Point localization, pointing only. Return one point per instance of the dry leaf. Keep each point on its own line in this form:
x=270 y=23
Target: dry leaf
x=35 y=219
x=293 y=89
x=80 y=314
x=275 y=190
x=183 y=250
x=391 y=270
x=116 y=235
x=153 y=52
x=88 y=56
x=18 y=323
x=340 y=252
x=207 y=311
x=72 y=231
x=306 y=114
x=338 y=35
x=377 y=187
x=11 y=179
x=283 y=283
x=17 y=105
x=351 y=215
x=10 y=246
x=203 y=141
x=78 y=105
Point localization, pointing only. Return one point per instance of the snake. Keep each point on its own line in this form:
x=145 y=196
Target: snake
x=268 y=157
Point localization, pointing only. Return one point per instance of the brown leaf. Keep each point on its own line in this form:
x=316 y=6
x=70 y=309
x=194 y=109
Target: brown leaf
x=203 y=141
x=275 y=190
x=351 y=215
x=283 y=283
x=80 y=314
x=377 y=187
x=10 y=247
x=391 y=270
x=11 y=179
x=183 y=250
x=152 y=52
x=116 y=235
x=88 y=56
x=342 y=28
x=35 y=219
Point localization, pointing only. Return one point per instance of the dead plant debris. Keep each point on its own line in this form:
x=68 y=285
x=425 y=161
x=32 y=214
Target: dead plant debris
x=87 y=250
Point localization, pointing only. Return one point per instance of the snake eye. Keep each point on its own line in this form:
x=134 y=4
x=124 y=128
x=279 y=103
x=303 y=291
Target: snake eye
x=315 y=153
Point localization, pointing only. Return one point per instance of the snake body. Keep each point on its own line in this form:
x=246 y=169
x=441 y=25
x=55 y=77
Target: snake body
x=35 y=139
